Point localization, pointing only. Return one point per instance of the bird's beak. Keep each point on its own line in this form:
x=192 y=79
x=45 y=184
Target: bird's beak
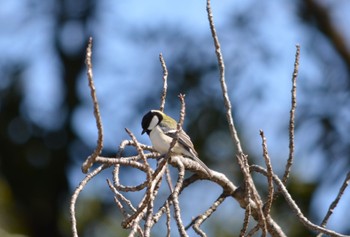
x=143 y=131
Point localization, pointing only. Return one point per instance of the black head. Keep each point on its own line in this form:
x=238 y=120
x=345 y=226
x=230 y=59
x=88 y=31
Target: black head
x=150 y=120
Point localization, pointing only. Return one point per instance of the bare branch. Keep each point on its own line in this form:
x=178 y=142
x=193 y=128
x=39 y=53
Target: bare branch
x=292 y=116
x=149 y=213
x=241 y=158
x=149 y=197
x=76 y=193
x=200 y=219
x=140 y=152
x=167 y=211
x=269 y=201
x=175 y=200
x=335 y=202
x=126 y=143
x=250 y=195
x=165 y=84
x=253 y=231
x=179 y=182
x=91 y=159
x=221 y=63
x=247 y=213
x=128 y=161
x=247 y=198
x=168 y=179
x=120 y=196
x=121 y=148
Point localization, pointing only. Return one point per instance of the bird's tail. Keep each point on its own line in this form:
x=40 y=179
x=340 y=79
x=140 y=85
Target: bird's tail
x=199 y=161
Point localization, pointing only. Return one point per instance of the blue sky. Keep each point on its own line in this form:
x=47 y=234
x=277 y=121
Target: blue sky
x=121 y=65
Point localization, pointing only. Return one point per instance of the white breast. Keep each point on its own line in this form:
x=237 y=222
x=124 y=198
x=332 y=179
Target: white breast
x=160 y=142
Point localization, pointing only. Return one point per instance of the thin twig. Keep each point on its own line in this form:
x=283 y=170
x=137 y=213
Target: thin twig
x=76 y=193
x=130 y=161
x=168 y=218
x=335 y=202
x=251 y=194
x=269 y=201
x=180 y=123
x=247 y=213
x=120 y=196
x=135 y=226
x=261 y=217
x=140 y=152
x=91 y=159
x=168 y=179
x=292 y=116
x=181 y=168
x=149 y=214
x=221 y=64
x=126 y=143
x=201 y=218
x=121 y=207
x=149 y=196
x=247 y=198
x=242 y=159
x=175 y=200
x=253 y=231
x=165 y=84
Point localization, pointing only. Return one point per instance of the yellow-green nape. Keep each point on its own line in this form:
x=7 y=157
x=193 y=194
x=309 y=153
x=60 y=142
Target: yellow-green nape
x=166 y=119
x=169 y=119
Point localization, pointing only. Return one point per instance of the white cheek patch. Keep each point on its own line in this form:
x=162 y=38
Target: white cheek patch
x=153 y=123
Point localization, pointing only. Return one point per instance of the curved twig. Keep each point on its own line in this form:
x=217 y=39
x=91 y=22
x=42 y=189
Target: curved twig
x=76 y=193
x=92 y=158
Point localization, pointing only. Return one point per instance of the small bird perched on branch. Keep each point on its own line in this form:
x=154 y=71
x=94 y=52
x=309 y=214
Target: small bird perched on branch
x=161 y=129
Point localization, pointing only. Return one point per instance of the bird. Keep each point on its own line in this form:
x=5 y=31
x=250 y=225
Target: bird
x=161 y=130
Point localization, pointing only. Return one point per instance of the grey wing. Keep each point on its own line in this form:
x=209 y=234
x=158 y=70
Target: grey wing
x=184 y=140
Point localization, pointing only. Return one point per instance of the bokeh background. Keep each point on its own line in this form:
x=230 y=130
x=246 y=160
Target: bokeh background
x=48 y=128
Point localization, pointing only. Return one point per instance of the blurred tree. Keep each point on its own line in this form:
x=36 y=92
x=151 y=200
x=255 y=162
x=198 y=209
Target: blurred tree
x=329 y=107
x=34 y=158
